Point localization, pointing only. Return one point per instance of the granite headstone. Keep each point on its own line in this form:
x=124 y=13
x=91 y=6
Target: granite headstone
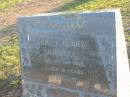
x=70 y=54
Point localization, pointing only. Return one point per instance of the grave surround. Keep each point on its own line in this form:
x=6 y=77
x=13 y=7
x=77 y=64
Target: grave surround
x=74 y=54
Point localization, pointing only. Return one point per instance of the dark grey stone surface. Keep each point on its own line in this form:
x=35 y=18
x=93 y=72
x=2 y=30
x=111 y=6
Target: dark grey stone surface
x=69 y=55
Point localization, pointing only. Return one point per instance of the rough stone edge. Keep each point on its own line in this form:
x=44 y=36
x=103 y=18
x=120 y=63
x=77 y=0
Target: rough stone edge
x=123 y=73
x=71 y=12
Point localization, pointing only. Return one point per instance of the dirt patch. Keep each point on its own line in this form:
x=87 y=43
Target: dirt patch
x=8 y=17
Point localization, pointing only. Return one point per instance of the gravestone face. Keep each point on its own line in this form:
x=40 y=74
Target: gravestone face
x=72 y=54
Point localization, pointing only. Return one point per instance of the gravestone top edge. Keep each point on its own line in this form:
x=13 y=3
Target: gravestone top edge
x=115 y=10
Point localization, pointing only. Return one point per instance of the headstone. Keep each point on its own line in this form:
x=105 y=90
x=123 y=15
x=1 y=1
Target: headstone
x=69 y=54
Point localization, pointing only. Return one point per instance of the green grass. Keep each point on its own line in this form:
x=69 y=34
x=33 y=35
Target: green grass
x=81 y=5
x=4 y=4
x=1 y=82
x=9 y=57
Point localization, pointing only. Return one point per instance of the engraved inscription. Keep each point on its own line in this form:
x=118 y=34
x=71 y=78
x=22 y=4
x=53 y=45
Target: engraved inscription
x=69 y=55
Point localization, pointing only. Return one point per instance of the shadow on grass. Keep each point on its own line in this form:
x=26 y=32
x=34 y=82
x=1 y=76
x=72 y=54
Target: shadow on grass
x=10 y=86
x=70 y=5
x=9 y=29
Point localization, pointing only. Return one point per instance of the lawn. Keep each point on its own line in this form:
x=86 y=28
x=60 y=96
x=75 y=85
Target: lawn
x=4 y=4
x=81 y=5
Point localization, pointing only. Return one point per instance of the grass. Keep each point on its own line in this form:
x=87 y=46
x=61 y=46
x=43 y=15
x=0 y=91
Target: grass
x=81 y=5
x=9 y=55
x=1 y=83
x=4 y=4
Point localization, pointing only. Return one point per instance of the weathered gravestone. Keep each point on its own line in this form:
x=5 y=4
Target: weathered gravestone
x=74 y=55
